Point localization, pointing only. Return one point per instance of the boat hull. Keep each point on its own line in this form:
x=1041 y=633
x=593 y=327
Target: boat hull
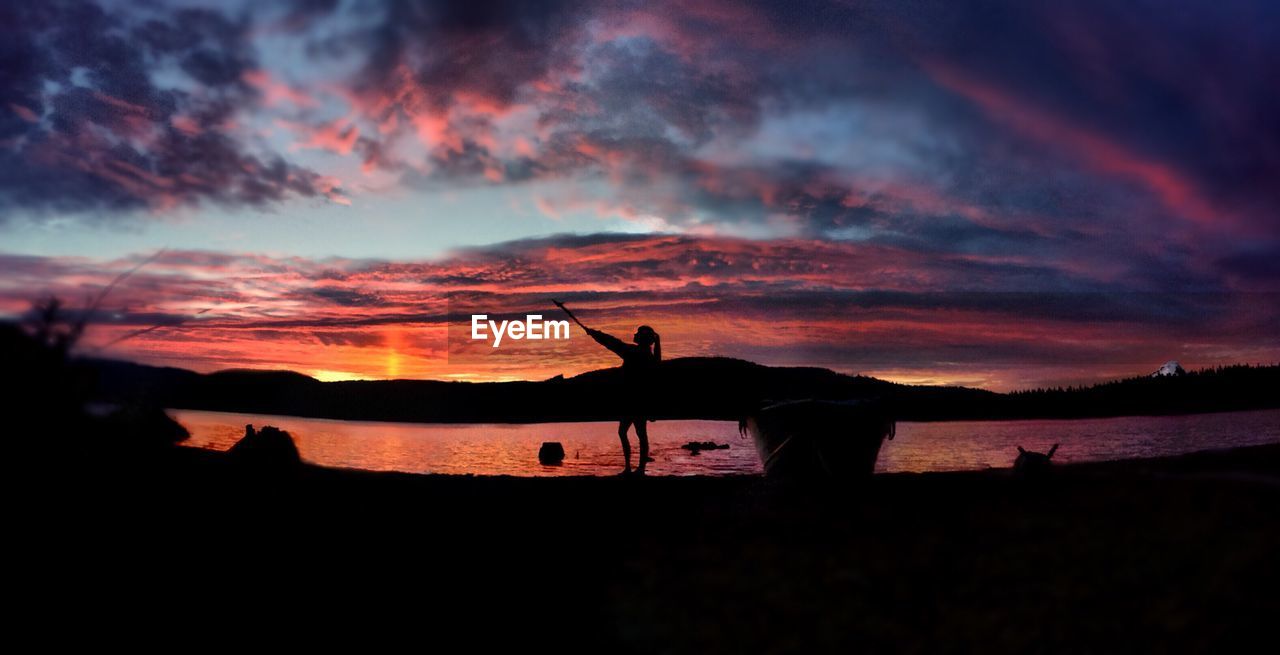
x=817 y=439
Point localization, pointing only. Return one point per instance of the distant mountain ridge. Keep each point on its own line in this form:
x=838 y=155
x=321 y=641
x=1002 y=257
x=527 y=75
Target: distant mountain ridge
x=690 y=387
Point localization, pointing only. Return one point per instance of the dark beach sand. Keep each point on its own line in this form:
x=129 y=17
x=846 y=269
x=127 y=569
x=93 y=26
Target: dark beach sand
x=1174 y=554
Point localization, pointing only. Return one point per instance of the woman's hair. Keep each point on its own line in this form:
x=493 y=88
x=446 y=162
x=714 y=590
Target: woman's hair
x=654 y=339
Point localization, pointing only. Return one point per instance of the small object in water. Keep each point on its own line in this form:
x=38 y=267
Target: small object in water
x=268 y=447
x=1030 y=463
x=695 y=447
x=551 y=453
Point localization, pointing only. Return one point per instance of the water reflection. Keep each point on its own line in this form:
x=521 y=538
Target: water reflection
x=592 y=448
x=970 y=445
x=483 y=449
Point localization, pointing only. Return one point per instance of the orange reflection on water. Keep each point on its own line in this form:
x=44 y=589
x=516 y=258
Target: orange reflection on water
x=593 y=449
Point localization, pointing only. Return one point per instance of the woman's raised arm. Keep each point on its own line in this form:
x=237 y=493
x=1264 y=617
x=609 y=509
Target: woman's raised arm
x=603 y=338
x=608 y=341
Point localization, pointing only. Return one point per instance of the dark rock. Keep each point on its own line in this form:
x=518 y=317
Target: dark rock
x=551 y=453
x=268 y=447
x=696 y=447
x=140 y=426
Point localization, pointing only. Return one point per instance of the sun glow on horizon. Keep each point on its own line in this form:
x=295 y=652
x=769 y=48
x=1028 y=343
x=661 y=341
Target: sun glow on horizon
x=338 y=376
x=394 y=339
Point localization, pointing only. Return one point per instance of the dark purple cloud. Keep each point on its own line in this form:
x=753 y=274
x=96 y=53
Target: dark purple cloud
x=981 y=127
x=84 y=124
x=1133 y=142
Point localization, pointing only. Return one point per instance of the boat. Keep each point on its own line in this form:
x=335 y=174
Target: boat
x=819 y=439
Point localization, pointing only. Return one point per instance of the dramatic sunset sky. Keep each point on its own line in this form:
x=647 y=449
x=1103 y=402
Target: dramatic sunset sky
x=998 y=194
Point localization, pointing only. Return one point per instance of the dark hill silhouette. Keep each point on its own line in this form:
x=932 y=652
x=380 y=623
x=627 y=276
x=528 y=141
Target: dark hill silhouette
x=692 y=387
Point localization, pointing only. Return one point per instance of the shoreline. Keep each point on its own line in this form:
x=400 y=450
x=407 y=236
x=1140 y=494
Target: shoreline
x=1260 y=459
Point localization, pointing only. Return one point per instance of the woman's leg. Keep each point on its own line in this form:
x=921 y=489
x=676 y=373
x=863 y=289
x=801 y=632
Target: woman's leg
x=642 y=433
x=626 y=445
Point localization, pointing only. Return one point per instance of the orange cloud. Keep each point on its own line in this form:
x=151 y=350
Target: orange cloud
x=851 y=307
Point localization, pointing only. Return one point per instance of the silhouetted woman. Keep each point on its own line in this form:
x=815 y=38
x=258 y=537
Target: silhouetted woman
x=639 y=361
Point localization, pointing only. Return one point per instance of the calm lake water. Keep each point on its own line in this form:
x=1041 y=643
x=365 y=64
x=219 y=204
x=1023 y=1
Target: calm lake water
x=593 y=449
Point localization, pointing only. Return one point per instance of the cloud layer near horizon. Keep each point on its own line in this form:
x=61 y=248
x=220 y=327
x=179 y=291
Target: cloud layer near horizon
x=793 y=302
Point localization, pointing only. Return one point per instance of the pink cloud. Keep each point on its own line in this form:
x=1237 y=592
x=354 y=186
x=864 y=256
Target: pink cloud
x=1176 y=191
x=186 y=124
x=276 y=92
x=24 y=112
x=338 y=136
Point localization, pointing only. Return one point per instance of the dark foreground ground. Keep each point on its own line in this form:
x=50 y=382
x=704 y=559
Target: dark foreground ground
x=183 y=550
